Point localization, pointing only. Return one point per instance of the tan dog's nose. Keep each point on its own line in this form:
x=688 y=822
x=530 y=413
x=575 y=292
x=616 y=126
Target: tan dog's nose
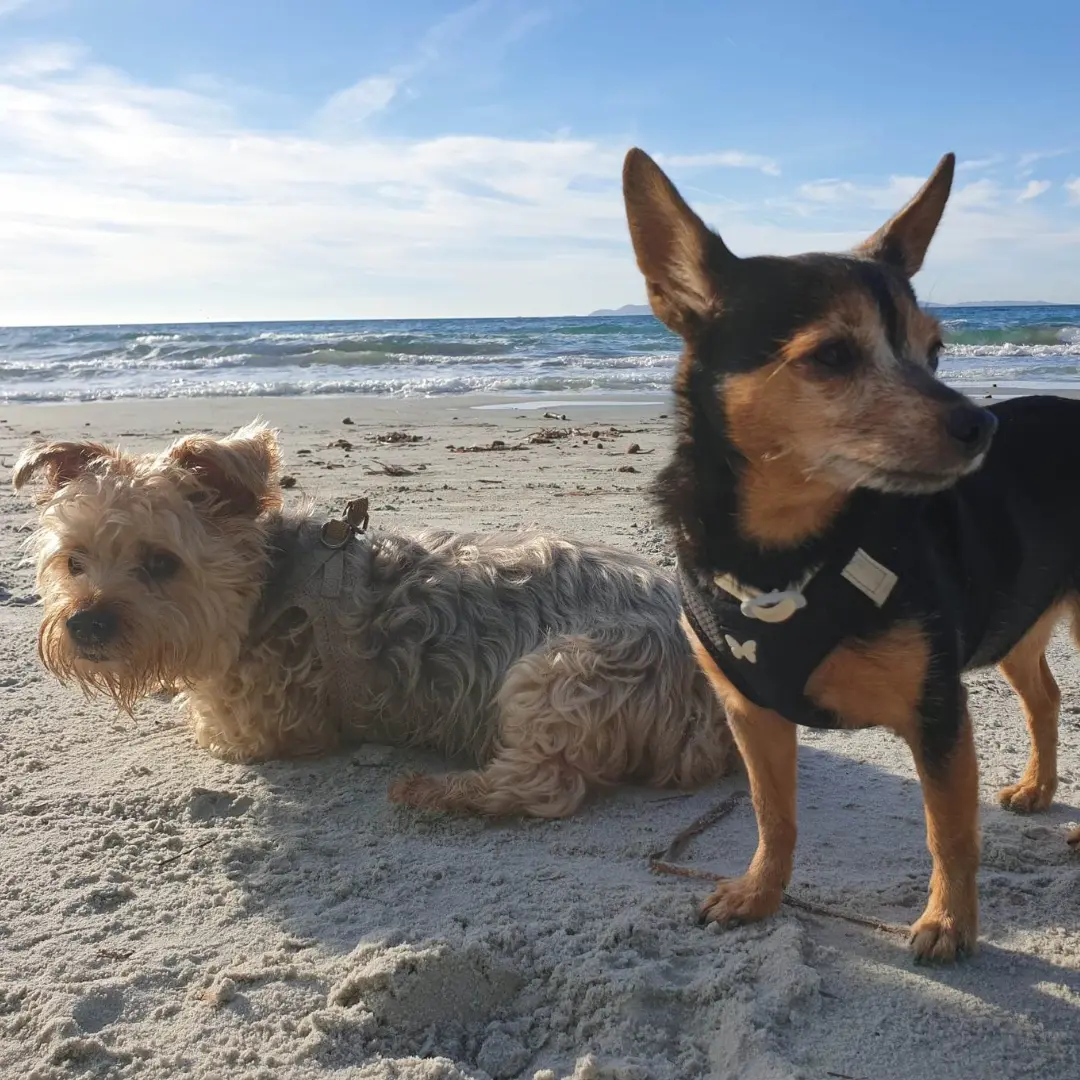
x=94 y=626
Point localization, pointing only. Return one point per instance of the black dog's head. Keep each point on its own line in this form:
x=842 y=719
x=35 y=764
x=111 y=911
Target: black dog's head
x=822 y=362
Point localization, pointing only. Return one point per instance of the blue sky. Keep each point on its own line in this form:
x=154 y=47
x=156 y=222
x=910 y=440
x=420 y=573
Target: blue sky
x=186 y=159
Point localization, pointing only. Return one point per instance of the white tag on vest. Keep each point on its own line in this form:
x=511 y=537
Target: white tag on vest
x=870 y=577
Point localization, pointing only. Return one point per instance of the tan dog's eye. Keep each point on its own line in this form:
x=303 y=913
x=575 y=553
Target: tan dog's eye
x=160 y=565
x=75 y=565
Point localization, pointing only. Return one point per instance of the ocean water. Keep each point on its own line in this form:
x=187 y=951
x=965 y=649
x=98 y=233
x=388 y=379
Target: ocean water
x=1015 y=347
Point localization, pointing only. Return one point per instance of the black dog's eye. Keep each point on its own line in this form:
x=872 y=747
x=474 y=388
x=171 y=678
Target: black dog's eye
x=160 y=565
x=75 y=565
x=933 y=355
x=836 y=357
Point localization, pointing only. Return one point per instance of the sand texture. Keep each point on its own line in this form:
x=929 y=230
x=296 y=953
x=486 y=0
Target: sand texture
x=163 y=914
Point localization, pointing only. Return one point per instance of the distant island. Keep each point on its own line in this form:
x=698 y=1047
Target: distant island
x=644 y=309
x=626 y=309
x=999 y=303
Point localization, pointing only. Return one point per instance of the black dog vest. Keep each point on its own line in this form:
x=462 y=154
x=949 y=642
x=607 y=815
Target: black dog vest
x=769 y=644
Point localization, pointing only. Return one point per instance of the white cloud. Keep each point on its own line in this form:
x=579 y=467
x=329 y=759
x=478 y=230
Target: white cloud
x=349 y=108
x=978 y=164
x=1025 y=161
x=1033 y=190
x=889 y=197
x=120 y=200
x=978 y=194
x=9 y=7
x=1073 y=188
x=125 y=201
x=723 y=159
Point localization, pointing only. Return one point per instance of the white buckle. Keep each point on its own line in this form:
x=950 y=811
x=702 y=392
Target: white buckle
x=773 y=607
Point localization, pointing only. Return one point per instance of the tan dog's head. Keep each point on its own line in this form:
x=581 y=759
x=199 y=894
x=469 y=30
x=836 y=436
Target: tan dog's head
x=149 y=566
x=824 y=360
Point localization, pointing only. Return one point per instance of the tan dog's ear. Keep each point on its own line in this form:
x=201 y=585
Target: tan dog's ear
x=62 y=462
x=904 y=239
x=683 y=261
x=239 y=474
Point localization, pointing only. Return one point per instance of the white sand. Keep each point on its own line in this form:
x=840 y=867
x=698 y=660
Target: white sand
x=163 y=914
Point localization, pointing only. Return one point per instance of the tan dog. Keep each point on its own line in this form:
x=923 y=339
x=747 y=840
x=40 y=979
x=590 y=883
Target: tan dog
x=560 y=665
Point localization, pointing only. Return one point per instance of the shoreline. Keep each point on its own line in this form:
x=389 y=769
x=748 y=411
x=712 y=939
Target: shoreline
x=384 y=407
x=327 y=411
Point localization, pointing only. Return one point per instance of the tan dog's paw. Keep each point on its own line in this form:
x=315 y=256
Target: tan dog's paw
x=1073 y=839
x=739 y=900
x=1027 y=797
x=939 y=938
x=418 y=790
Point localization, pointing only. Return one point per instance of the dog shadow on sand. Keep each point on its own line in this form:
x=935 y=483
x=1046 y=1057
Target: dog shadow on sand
x=334 y=863
x=861 y=843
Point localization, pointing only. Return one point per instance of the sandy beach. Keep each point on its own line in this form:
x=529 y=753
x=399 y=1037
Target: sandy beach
x=164 y=914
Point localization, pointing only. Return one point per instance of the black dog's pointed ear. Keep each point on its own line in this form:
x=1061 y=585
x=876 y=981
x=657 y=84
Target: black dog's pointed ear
x=683 y=261
x=903 y=240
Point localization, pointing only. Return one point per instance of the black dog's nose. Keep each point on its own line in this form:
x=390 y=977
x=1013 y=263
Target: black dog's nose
x=971 y=426
x=94 y=626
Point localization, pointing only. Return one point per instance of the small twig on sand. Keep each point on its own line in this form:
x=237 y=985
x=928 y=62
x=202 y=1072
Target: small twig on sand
x=389 y=469
x=696 y=828
x=187 y=851
x=116 y=954
x=660 y=862
x=496 y=445
x=832 y=913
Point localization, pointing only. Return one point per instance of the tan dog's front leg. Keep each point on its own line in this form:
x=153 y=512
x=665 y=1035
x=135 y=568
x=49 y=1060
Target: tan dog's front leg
x=768 y=744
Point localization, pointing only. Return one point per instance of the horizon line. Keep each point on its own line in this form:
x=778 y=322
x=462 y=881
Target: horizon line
x=606 y=312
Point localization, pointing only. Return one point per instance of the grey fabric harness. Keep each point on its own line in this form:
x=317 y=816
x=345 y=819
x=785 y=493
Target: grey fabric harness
x=320 y=569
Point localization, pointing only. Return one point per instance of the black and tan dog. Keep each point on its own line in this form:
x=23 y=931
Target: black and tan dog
x=852 y=534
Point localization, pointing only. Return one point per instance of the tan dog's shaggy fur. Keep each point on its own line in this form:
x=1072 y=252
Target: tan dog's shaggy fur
x=556 y=665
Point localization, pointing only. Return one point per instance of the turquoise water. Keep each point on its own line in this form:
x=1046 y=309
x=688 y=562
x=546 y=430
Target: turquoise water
x=1010 y=346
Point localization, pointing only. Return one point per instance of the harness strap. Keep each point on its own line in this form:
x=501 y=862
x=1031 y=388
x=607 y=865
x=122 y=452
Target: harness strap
x=335 y=536
x=768 y=644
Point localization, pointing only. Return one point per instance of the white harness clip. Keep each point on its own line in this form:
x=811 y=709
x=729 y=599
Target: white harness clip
x=773 y=607
x=776 y=606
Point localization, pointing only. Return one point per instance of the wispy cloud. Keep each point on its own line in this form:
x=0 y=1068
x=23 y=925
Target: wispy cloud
x=979 y=195
x=9 y=7
x=846 y=193
x=721 y=159
x=351 y=107
x=1073 y=188
x=118 y=196
x=1033 y=190
x=1025 y=162
x=124 y=200
x=978 y=164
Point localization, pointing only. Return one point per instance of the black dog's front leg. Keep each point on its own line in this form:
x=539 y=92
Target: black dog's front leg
x=944 y=749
